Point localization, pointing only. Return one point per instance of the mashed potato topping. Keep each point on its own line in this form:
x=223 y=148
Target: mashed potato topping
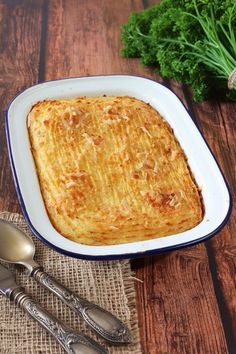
x=111 y=170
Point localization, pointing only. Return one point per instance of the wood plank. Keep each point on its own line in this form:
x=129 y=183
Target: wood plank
x=20 y=24
x=178 y=311
x=217 y=122
x=84 y=39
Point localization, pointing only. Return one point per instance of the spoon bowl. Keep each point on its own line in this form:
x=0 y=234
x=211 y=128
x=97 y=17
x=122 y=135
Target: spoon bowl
x=16 y=246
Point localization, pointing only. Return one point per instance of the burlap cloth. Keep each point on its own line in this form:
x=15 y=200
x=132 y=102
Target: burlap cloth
x=107 y=283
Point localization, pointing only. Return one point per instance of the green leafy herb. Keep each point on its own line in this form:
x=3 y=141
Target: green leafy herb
x=192 y=41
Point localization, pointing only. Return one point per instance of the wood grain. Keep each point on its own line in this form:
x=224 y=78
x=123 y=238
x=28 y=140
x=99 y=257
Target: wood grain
x=217 y=121
x=178 y=297
x=84 y=39
x=20 y=27
x=186 y=299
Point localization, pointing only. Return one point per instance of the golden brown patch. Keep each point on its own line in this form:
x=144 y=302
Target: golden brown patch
x=111 y=170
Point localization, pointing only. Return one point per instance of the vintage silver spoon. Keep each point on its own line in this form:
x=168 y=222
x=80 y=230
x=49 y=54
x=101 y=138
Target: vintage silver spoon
x=71 y=341
x=17 y=247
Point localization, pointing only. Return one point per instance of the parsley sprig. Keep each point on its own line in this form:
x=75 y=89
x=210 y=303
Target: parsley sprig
x=189 y=41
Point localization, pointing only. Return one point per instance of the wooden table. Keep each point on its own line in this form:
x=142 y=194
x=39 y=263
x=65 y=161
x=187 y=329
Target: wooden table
x=187 y=300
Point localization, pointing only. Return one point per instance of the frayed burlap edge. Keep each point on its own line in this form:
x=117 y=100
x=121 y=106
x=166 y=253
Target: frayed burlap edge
x=39 y=341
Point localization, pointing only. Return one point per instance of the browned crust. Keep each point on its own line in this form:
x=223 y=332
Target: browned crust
x=111 y=170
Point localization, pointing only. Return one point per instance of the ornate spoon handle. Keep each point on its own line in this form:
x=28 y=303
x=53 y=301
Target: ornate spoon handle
x=71 y=341
x=100 y=320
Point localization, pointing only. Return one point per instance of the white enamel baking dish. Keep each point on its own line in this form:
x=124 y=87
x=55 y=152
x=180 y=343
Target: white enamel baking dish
x=216 y=196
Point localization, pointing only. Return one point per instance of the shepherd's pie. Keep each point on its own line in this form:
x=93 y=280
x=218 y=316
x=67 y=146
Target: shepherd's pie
x=111 y=170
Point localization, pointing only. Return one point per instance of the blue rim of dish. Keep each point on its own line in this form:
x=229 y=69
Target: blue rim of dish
x=110 y=256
